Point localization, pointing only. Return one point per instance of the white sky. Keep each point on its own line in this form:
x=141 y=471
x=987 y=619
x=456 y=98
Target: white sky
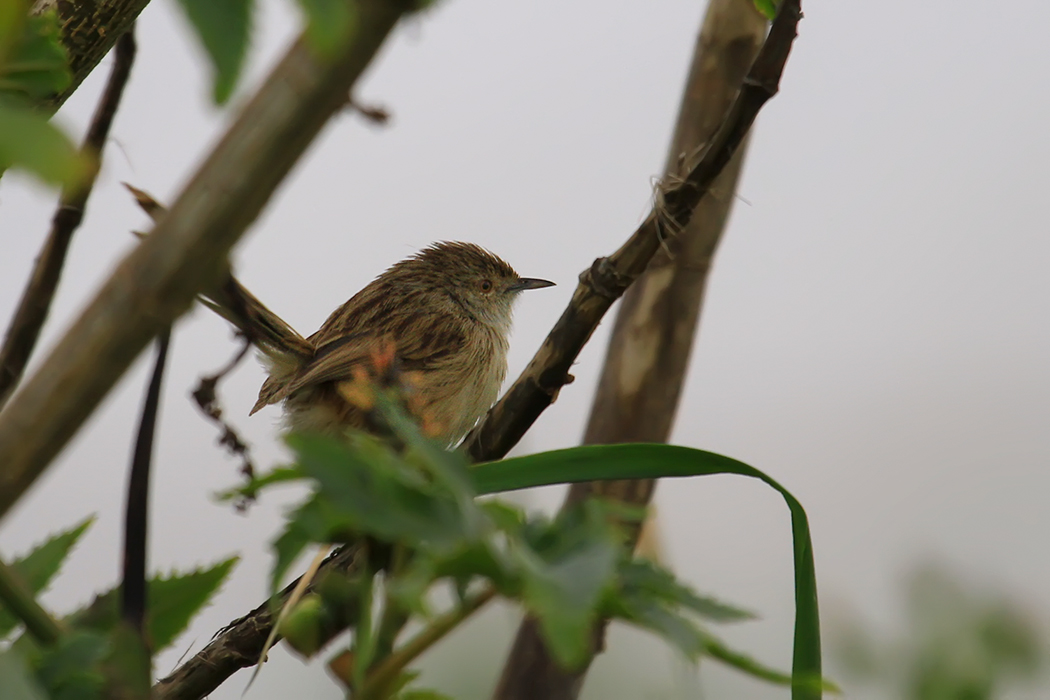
x=875 y=336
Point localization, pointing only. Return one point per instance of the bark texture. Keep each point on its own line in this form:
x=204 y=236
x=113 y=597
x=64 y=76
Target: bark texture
x=648 y=353
x=90 y=28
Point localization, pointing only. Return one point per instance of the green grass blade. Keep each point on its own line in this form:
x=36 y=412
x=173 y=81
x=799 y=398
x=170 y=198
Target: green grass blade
x=657 y=461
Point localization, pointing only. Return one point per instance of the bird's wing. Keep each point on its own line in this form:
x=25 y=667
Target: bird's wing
x=421 y=348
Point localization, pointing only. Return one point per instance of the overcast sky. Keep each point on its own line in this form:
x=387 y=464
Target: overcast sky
x=875 y=335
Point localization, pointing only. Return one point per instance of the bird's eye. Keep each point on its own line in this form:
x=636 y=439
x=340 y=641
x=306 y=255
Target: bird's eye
x=486 y=286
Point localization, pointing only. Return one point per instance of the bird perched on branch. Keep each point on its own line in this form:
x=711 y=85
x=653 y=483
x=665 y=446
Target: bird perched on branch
x=441 y=316
x=444 y=313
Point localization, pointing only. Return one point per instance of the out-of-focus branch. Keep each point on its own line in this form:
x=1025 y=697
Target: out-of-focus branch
x=32 y=310
x=187 y=251
x=608 y=278
x=89 y=30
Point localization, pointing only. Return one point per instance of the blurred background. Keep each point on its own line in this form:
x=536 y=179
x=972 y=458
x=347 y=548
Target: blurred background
x=875 y=334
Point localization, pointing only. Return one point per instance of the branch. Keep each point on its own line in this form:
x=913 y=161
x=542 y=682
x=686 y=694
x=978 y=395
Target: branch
x=20 y=601
x=187 y=251
x=648 y=353
x=90 y=28
x=608 y=278
x=390 y=668
x=240 y=644
x=33 y=308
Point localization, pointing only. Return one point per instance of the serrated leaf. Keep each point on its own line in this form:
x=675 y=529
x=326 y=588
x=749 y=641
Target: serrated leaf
x=366 y=489
x=223 y=27
x=16 y=681
x=28 y=141
x=328 y=23
x=37 y=65
x=39 y=566
x=172 y=603
x=645 y=579
x=767 y=8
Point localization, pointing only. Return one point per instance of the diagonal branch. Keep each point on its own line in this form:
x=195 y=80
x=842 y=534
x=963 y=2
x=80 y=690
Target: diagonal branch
x=241 y=642
x=187 y=251
x=89 y=30
x=29 y=318
x=608 y=278
x=648 y=353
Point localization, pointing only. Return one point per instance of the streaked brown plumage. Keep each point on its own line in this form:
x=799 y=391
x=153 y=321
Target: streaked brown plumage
x=447 y=313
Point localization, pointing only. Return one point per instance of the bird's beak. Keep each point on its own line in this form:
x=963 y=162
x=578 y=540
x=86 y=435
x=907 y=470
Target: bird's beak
x=524 y=283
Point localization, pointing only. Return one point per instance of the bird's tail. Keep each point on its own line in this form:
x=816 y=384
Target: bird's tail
x=268 y=331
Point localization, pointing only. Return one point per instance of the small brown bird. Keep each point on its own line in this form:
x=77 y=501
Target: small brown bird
x=445 y=312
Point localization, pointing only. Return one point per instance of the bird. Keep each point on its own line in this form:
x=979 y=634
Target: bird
x=444 y=314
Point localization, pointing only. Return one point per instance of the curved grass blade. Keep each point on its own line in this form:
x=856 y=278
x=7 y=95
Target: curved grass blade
x=658 y=461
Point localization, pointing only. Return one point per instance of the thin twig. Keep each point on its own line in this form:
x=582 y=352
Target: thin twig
x=608 y=278
x=24 y=329
x=20 y=601
x=387 y=671
x=136 y=520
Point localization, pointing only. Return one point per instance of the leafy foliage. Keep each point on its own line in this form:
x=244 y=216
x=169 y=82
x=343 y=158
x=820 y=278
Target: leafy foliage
x=33 y=67
x=417 y=504
x=40 y=565
x=99 y=655
x=643 y=461
x=223 y=28
x=173 y=601
x=36 y=64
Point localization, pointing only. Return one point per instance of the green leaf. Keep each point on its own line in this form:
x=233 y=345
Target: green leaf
x=28 y=141
x=37 y=66
x=223 y=27
x=328 y=23
x=172 y=603
x=70 y=670
x=767 y=8
x=655 y=461
x=366 y=489
x=16 y=681
x=40 y=565
x=651 y=581
x=565 y=577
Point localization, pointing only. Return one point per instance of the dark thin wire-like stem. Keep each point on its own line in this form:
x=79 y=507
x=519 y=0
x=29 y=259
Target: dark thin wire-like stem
x=136 y=519
x=24 y=329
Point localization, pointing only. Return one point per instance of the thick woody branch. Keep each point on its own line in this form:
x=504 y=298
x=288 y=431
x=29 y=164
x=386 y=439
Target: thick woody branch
x=187 y=251
x=648 y=352
x=609 y=277
x=24 y=329
x=89 y=30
